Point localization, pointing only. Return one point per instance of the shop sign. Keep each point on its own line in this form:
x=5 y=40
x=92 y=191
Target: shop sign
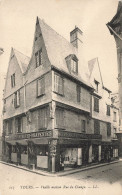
x=29 y=135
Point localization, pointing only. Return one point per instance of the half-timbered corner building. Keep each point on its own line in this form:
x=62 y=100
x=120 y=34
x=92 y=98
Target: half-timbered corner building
x=54 y=112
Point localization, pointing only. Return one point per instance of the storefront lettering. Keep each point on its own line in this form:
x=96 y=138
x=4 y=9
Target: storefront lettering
x=29 y=135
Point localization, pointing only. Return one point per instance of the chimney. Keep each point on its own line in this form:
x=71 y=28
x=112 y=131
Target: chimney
x=76 y=37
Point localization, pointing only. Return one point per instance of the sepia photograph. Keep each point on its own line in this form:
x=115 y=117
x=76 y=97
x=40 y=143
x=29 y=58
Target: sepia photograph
x=60 y=97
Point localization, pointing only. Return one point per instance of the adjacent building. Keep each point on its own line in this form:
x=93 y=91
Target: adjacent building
x=115 y=27
x=57 y=112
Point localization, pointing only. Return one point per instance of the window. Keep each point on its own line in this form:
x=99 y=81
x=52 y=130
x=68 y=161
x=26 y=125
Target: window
x=96 y=104
x=96 y=127
x=17 y=99
x=108 y=110
x=96 y=85
x=38 y=58
x=78 y=93
x=114 y=133
x=60 y=118
x=13 y=80
x=74 y=66
x=114 y=116
x=40 y=86
x=83 y=126
x=58 y=84
x=10 y=126
x=108 y=129
x=18 y=124
x=42 y=118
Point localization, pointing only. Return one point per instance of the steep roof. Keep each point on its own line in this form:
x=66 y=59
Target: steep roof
x=23 y=60
x=58 y=48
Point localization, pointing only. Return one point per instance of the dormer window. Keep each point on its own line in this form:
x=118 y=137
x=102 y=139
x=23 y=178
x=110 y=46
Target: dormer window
x=38 y=58
x=96 y=85
x=72 y=63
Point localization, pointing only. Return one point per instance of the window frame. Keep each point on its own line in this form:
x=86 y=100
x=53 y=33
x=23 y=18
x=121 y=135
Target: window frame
x=17 y=120
x=74 y=65
x=44 y=115
x=114 y=116
x=17 y=99
x=83 y=126
x=96 y=104
x=57 y=85
x=78 y=90
x=13 y=80
x=108 y=111
x=108 y=129
x=42 y=81
x=38 y=58
x=96 y=124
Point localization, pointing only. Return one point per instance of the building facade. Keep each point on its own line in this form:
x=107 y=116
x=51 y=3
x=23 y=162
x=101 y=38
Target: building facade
x=115 y=27
x=54 y=112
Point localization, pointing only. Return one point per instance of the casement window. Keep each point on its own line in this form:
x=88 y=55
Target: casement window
x=10 y=126
x=96 y=127
x=83 y=126
x=17 y=99
x=108 y=110
x=40 y=86
x=60 y=118
x=114 y=116
x=96 y=85
x=74 y=65
x=13 y=80
x=58 y=84
x=38 y=58
x=96 y=104
x=78 y=89
x=108 y=129
x=42 y=118
x=18 y=124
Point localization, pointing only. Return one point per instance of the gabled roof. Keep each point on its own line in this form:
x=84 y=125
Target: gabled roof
x=58 y=48
x=23 y=60
x=94 y=70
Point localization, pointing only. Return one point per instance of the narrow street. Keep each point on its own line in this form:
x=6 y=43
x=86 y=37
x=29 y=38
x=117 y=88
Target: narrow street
x=96 y=181
x=111 y=174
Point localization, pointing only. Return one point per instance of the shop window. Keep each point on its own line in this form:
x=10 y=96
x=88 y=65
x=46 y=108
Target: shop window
x=108 y=110
x=96 y=127
x=18 y=125
x=108 y=129
x=17 y=99
x=78 y=88
x=40 y=86
x=96 y=104
x=13 y=80
x=58 y=84
x=42 y=118
x=60 y=118
x=83 y=126
x=38 y=58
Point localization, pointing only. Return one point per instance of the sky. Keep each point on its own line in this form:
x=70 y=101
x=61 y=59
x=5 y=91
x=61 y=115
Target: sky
x=17 y=26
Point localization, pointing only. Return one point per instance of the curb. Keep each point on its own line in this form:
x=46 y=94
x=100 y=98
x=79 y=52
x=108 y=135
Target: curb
x=85 y=168
x=69 y=172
